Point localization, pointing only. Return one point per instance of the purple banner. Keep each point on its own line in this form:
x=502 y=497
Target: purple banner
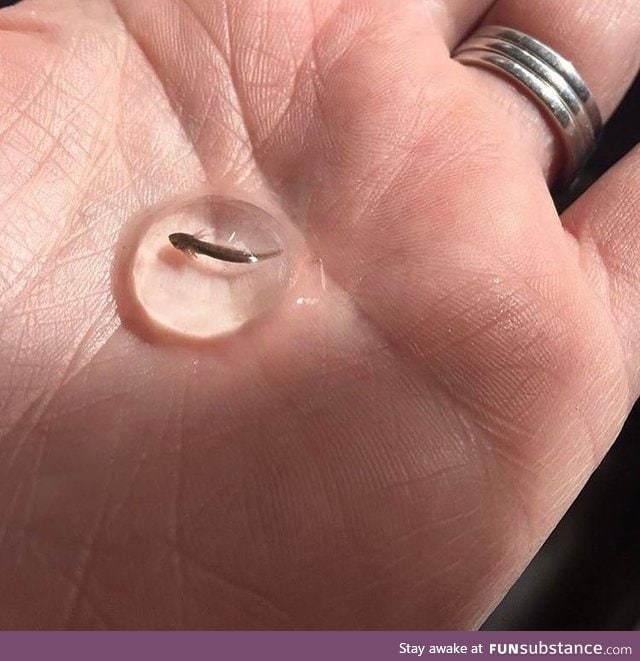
x=313 y=646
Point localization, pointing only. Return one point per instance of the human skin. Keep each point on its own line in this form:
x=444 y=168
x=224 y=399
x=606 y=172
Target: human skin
x=391 y=457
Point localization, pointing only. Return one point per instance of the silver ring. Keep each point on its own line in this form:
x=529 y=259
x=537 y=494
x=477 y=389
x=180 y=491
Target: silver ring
x=548 y=79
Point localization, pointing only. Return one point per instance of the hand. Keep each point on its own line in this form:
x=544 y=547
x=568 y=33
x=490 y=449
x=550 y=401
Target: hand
x=391 y=457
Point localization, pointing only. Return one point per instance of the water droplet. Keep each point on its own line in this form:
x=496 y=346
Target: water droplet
x=307 y=300
x=323 y=277
x=171 y=294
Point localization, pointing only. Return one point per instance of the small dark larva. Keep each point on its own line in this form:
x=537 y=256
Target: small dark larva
x=192 y=246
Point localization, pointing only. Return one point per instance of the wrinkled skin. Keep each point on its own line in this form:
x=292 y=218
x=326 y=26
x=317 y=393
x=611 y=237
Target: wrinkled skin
x=389 y=458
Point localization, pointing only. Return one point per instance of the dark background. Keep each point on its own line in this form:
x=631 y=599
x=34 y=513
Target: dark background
x=587 y=575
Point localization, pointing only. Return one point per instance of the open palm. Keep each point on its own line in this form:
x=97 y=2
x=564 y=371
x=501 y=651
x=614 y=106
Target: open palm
x=390 y=457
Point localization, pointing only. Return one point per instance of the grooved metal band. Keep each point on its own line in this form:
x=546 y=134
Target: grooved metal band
x=548 y=79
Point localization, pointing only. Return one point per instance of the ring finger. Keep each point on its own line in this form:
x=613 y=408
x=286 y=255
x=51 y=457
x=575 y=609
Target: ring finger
x=599 y=38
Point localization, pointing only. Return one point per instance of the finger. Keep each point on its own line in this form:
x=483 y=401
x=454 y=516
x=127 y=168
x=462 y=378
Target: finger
x=249 y=78
x=599 y=38
x=604 y=222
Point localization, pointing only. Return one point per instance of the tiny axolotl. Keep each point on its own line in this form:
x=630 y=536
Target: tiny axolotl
x=192 y=246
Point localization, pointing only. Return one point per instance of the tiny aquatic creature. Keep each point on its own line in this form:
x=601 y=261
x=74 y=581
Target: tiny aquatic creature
x=192 y=246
